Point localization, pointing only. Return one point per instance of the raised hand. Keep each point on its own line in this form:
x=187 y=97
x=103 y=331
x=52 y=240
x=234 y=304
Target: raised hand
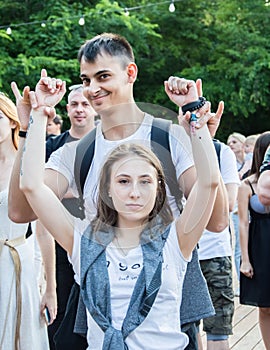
x=212 y=119
x=49 y=91
x=23 y=104
x=181 y=91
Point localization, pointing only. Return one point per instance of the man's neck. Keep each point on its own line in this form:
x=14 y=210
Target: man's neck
x=121 y=122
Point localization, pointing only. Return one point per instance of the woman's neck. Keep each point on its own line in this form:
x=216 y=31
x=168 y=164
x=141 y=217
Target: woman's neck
x=7 y=158
x=129 y=236
x=240 y=157
x=7 y=152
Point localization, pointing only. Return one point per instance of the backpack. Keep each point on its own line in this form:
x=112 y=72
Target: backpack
x=159 y=144
x=217 y=145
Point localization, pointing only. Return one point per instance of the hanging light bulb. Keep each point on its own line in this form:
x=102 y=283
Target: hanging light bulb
x=81 y=21
x=126 y=12
x=43 y=24
x=9 y=31
x=172 y=7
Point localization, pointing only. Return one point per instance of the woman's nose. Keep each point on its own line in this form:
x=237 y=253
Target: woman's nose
x=135 y=192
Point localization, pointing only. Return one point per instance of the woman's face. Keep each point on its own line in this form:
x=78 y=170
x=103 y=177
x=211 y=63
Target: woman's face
x=133 y=190
x=6 y=126
x=235 y=145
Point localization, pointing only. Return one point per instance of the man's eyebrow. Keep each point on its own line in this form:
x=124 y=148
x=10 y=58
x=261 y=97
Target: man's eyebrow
x=97 y=73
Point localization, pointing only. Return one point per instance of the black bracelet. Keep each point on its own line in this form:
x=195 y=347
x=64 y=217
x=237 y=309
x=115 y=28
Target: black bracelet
x=193 y=106
x=22 y=134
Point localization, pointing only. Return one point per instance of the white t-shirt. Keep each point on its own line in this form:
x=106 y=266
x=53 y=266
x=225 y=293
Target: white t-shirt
x=218 y=244
x=62 y=160
x=161 y=328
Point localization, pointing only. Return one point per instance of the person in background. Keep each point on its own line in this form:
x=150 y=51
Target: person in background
x=82 y=120
x=54 y=126
x=215 y=252
x=236 y=142
x=248 y=149
x=22 y=325
x=264 y=180
x=254 y=220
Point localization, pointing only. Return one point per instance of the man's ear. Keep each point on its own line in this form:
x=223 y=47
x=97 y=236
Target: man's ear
x=132 y=71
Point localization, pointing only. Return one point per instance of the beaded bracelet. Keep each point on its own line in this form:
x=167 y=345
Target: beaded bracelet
x=22 y=134
x=193 y=106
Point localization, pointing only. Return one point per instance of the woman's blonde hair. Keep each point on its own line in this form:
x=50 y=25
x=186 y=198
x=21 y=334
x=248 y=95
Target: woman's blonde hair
x=10 y=110
x=238 y=137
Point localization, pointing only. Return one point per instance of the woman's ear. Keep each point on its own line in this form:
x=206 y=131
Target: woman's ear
x=132 y=71
x=12 y=124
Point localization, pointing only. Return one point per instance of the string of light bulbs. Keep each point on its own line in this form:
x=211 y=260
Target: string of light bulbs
x=81 y=20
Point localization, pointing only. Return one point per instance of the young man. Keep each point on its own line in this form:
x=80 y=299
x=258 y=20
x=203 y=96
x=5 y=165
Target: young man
x=108 y=73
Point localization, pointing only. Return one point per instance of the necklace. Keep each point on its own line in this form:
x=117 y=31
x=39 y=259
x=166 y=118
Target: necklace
x=125 y=253
x=123 y=250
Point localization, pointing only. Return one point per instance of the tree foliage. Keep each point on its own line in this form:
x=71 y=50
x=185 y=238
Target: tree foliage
x=223 y=42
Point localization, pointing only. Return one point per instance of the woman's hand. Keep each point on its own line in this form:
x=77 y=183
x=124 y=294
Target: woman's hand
x=247 y=269
x=49 y=301
x=23 y=104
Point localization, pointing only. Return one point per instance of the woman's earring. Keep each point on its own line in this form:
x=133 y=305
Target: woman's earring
x=109 y=194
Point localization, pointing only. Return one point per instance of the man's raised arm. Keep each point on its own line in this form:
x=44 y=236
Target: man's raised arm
x=48 y=94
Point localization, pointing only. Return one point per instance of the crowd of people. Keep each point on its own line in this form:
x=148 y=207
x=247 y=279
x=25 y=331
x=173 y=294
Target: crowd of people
x=127 y=265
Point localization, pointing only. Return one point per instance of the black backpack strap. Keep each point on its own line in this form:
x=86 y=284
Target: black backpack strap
x=217 y=145
x=161 y=147
x=84 y=155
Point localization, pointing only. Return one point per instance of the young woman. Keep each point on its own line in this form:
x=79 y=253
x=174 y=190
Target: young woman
x=132 y=258
x=255 y=239
x=21 y=324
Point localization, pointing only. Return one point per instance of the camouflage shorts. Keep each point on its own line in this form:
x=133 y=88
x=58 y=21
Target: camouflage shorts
x=218 y=274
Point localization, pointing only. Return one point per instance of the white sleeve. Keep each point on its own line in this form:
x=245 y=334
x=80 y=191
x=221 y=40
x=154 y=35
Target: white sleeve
x=181 y=149
x=228 y=167
x=62 y=161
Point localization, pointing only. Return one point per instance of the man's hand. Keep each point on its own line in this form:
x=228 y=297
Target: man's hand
x=49 y=91
x=181 y=91
x=23 y=104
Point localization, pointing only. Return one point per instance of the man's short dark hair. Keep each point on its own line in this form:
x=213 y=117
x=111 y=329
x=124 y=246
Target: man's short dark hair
x=108 y=43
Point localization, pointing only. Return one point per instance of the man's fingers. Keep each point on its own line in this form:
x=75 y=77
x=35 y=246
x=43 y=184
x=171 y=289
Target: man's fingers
x=26 y=91
x=50 y=112
x=33 y=99
x=63 y=87
x=43 y=73
x=199 y=87
x=220 y=110
x=15 y=90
